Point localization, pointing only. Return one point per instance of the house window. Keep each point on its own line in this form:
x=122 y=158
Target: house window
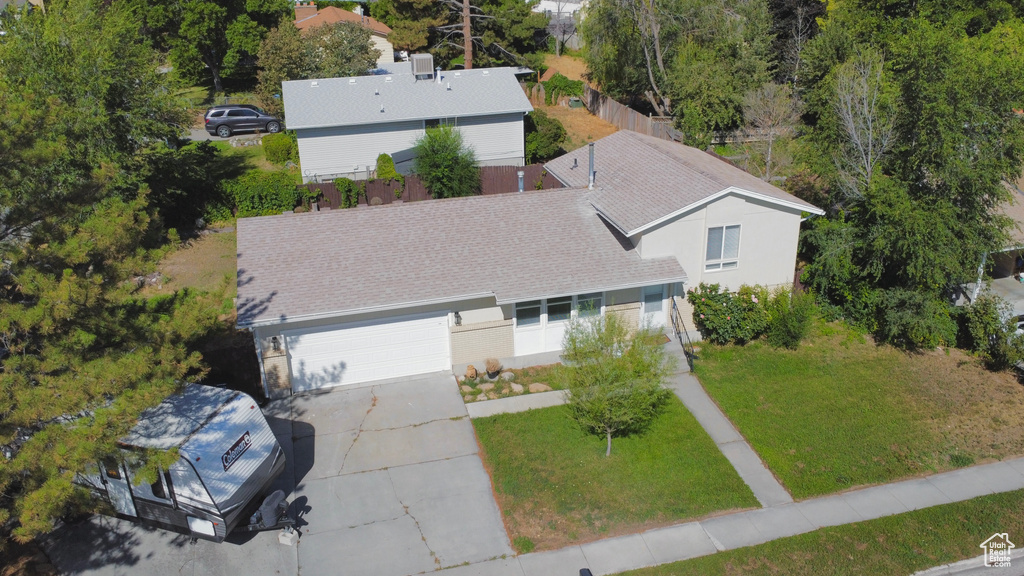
x=723 y=248
x=528 y=313
x=589 y=304
x=559 y=309
x=436 y=122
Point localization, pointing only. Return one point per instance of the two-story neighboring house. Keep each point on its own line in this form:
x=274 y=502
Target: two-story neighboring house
x=343 y=124
x=307 y=16
x=350 y=296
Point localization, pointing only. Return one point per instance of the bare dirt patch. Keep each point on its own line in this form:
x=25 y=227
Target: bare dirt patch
x=581 y=126
x=571 y=67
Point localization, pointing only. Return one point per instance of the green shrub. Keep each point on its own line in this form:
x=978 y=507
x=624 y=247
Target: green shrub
x=349 y=191
x=988 y=328
x=791 y=313
x=523 y=544
x=559 y=85
x=262 y=193
x=281 y=147
x=544 y=137
x=911 y=320
x=724 y=317
x=386 y=171
x=445 y=164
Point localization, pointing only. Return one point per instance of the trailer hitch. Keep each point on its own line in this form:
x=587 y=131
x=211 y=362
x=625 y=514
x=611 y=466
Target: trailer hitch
x=272 y=514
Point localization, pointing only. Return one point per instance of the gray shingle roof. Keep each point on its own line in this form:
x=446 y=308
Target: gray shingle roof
x=515 y=247
x=354 y=101
x=642 y=179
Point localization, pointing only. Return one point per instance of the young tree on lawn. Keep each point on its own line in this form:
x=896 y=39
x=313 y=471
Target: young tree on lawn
x=445 y=164
x=614 y=377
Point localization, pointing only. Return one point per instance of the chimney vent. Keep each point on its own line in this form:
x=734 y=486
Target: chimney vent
x=437 y=74
x=592 y=173
x=382 y=107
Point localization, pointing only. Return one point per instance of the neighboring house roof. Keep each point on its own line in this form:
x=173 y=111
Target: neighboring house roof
x=514 y=247
x=332 y=15
x=643 y=181
x=380 y=99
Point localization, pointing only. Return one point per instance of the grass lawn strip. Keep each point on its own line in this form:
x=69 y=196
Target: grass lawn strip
x=556 y=488
x=841 y=411
x=900 y=544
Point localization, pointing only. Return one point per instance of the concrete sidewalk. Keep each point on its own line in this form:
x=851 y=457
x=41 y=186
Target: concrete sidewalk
x=694 y=539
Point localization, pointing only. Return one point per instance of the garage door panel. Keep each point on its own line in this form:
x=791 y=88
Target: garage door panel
x=360 y=352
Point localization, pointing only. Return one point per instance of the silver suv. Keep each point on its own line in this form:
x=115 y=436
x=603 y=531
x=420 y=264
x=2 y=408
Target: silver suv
x=228 y=119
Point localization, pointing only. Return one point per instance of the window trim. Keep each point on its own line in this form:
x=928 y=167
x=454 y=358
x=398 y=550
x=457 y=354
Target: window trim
x=721 y=264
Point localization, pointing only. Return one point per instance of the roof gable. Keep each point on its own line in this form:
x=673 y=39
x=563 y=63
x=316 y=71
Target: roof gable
x=333 y=15
x=378 y=99
x=642 y=181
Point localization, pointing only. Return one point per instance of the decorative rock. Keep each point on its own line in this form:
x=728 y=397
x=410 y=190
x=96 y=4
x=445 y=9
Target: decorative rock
x=469 y=398
x=538 y=387
x=470 y=371
x=507 y=375
x=517 y=388
x=485 y=387
x=492 y=396
x=465 y=388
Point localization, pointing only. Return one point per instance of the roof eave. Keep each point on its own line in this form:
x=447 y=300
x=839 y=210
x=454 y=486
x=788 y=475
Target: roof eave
x=683 y=278
x=410 y=119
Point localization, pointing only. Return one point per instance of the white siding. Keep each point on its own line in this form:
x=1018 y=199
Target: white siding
x=768 y=242
x=349 y=150
x=327 y=153
x=496 y=140
x=387 y=51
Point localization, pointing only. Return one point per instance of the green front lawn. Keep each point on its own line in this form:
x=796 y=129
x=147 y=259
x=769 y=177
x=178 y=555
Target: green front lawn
x=900 y=544
x=555 y=486
x=841 y=411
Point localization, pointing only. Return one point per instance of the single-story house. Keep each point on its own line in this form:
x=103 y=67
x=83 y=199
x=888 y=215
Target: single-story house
x=307 y=16
x=349 y=296
x=343 y=124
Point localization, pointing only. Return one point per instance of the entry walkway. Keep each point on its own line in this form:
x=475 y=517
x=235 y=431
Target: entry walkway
x=694 y=539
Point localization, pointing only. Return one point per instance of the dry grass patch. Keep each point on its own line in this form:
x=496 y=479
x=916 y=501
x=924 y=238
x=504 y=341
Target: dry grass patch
x=571 y=67
x=581 y=126
x=204 y=263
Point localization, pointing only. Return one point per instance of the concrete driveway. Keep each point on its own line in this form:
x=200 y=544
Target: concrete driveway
x=385 y=480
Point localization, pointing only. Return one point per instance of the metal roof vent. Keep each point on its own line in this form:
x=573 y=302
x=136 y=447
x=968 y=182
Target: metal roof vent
x=387 y=79
x=422 y=66
x=376 y=92
x=314 y=84
x=449 y=86
x=382 y=107
x=351 y=80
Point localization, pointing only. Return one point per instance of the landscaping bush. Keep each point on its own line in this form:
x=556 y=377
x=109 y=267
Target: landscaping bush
x=386 y=171
x=445 y=164
x=559 y=85
x=723 y=317
x=349 y=191
x=263 y=193
x=281 y=147
x=544 y=137
x=988 y=328
x=791 y=313
x=912 y=320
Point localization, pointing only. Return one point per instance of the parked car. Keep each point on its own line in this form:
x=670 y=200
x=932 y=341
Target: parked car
x=225 y=120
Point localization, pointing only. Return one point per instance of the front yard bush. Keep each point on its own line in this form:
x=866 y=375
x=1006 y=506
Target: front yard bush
x=791 y=314
x=725 y=317
x=263 y=193
x=988 y=328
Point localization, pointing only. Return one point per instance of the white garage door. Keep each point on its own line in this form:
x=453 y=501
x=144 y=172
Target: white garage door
x=364 y=351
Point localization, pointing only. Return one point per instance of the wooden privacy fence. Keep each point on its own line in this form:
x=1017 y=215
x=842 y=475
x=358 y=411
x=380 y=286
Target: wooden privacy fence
x=493 y=180
x=625 y=118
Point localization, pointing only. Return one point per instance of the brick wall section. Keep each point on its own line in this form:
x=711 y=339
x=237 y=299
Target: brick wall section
x=686 y=312
x=628 y=314
x=477 y=342
x=279 y=385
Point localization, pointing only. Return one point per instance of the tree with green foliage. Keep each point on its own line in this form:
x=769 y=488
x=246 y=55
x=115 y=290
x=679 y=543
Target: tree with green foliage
x=206 y=36
x=445 y=164
x=544 y=137
x=411 y=21
x=615 y=377
x=82 y=352
x=989 y=329
x=327 y=51
x=263 y=193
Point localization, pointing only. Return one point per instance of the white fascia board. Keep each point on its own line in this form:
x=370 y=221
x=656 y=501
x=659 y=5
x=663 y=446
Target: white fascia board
x=604 y=288
x=730 y=190
x=409 y=119
x=557 y=177
x=364 y=310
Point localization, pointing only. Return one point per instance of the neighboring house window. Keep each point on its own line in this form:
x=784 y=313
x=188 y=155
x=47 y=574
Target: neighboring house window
x=528 y=313
x=559 y=308
x=723 y=248
x=589 y=304
x=434 y=123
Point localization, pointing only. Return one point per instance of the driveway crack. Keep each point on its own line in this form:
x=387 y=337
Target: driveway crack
x=423 y=537
x=359 y=430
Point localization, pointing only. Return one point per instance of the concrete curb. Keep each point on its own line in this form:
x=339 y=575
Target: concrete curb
x=970 y=564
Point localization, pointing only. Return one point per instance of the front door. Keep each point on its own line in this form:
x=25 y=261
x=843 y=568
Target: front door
x=654 y=306
x=118 y=491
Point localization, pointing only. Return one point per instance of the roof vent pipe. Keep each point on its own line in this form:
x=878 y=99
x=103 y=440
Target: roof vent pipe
x=437 y=74
x=591 y=184
x=521 y=174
